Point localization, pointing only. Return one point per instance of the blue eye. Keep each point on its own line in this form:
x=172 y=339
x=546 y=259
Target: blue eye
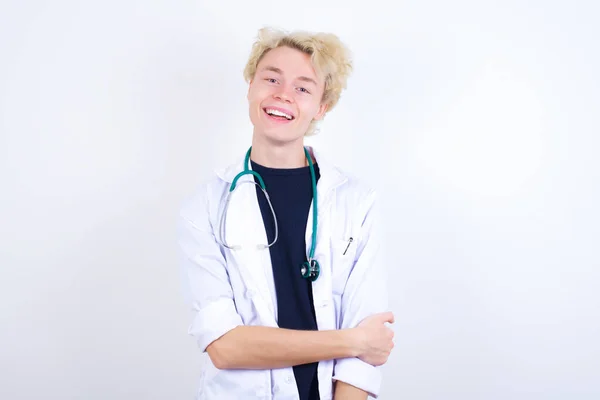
x=303 y=90
x=271 y=80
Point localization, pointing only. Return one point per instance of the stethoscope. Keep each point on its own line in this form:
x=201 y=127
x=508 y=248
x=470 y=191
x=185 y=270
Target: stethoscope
x=309 y=269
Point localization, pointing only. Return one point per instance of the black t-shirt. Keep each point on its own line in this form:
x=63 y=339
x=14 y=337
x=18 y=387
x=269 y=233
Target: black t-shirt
x=290 y=191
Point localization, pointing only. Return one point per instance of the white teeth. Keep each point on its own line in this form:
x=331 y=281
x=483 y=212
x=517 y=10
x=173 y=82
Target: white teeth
x=270 y=111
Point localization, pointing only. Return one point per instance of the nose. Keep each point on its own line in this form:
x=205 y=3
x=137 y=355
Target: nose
x=283 y=94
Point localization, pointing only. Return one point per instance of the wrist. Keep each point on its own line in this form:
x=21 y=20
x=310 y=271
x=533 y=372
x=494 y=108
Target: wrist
x=354 y=342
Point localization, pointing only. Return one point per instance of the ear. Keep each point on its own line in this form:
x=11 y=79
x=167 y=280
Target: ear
x=249 y=86
x=322 y=111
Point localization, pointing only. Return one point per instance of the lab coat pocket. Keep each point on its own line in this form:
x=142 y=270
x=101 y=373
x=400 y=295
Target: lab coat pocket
x=342 y=261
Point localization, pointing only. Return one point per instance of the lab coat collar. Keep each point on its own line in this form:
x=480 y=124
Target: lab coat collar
x=331 y=175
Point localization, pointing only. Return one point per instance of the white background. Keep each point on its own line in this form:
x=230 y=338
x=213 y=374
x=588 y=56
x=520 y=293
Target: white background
x=476 y=120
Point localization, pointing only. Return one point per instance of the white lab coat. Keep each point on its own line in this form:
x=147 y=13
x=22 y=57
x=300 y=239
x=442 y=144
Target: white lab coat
x=228 y=288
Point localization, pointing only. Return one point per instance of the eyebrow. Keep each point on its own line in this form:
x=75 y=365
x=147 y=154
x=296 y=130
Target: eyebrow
x=280 y=72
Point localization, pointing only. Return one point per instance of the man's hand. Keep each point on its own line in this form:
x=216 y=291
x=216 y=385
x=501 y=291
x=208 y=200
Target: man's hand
x=375 y=338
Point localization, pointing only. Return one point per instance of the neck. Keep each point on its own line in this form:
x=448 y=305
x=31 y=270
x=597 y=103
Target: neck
x=285 y=155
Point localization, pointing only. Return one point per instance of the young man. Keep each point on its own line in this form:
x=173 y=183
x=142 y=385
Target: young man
x=290 y=300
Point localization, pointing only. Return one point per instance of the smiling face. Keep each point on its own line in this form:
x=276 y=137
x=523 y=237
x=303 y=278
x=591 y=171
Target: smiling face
x=285 y=95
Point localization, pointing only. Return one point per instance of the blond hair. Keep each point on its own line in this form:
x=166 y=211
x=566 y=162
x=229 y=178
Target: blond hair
x=330 y=58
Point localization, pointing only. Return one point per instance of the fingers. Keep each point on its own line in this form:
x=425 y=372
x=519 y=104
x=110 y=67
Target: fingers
x=391 y=317
x=386 y=317
x=390 y=333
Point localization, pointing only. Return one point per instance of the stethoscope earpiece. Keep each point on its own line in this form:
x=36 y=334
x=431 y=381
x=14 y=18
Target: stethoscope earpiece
x=310 y=270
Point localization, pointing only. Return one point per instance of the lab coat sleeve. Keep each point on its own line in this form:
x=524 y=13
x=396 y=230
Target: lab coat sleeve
x=206 y=282
x=365 y=294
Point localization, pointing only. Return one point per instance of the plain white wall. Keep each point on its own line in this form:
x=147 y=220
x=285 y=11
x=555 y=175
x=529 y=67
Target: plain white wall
x=477 y=121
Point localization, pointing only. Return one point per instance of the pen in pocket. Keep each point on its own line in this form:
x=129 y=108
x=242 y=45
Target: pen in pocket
x=349 y=243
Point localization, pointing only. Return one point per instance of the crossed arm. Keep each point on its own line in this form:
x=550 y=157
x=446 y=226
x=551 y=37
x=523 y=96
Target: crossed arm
x=261 y=347
x=258 y=347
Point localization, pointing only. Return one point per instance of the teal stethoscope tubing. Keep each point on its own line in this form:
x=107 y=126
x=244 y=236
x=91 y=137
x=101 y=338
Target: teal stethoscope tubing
x=309 y=269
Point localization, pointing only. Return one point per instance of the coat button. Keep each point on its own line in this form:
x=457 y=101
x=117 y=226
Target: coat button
x=289 y=379
x=250 y=293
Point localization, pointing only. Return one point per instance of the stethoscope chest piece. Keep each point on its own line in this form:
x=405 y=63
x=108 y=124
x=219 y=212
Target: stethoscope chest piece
x=310 y=270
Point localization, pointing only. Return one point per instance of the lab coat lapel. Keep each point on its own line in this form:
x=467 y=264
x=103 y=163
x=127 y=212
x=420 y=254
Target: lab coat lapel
x=244 y=226
x=330 y=178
